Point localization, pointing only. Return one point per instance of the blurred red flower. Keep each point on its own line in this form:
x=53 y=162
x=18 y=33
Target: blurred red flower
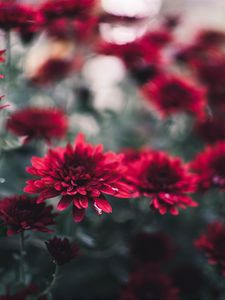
x=38 y=123
x=171 y=94
x=210 y=38
x=158 y=38
x=213 y=244
x=62 y=250
x=133 y=54
x=152 y=247
x=164 y=179
x=209 y=165
x=51 y=71
x=77 y=30
x=149 y=284
x=79 y=174
x=54 y=9
x=211 y=130
x=14 y=15
x=211 y=72
x=20 y=213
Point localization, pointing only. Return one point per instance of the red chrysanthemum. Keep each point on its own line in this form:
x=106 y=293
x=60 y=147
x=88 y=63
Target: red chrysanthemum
x=14 y=15
x=54 y=9
x=164 y=179
x=213 y=244
x=79 y=174
x=209 y=165
x=171 y=94
x=211 y=130
x=20 y=213
x=62 y=250
x=153 y=247
x=38 y=123
x=149 y=284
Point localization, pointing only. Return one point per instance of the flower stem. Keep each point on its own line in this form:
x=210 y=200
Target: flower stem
x=8 y=50
x=22 y=258
x=47 y=290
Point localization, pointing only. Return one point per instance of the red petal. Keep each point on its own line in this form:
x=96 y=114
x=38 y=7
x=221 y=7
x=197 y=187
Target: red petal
x=103 y=204
x=174 y=211
x=78 y=214
x=64 y=203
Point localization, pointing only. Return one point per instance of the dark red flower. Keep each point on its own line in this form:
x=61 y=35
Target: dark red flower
x=54 y=9
x=21 y=213
x=211 y=130
x=191 y=54
x=149 y=284
x=38 y=123
x=133 y=54
x=62 y=250
x=76 y=30
x=14 y=15
x=79 y=174
x=166 y=180
x=209 y=165
x=171 y=94
x=213 y=244
x=153 y=247
x=211 y=72
x=210 y=38
x=51 y=71
x=158 y=38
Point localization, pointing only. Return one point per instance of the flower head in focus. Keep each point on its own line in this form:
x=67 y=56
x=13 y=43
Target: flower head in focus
x=164 y=179
x=62 y=250
x=81 y=175
x=209 y=165
x=38 y=123
x=20 y=213
x=213 y=244
x=171 y=94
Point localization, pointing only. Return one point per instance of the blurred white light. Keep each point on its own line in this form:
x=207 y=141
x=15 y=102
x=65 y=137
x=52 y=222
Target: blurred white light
x=121 y=34
x=104 y=71
x=109 y=98
x=132 y=7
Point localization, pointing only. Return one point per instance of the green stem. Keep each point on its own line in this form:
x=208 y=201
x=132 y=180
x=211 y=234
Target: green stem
x=47 y=290
x=8 y=50
x=22 y=258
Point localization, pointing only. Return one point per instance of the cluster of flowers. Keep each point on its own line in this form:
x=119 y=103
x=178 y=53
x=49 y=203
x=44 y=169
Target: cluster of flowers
x=83 y=175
